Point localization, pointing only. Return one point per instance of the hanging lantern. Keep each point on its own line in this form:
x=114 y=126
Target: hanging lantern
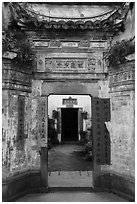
x=84 y=115
x=54 y=114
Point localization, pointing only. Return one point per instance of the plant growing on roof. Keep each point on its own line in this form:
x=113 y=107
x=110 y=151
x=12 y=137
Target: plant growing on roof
x=16 y=41
x=119 y=51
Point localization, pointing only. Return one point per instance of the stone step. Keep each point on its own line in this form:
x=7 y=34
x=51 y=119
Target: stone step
x=70 y=189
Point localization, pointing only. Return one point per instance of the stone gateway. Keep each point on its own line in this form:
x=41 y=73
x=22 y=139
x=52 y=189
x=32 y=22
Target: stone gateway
x=63 y=48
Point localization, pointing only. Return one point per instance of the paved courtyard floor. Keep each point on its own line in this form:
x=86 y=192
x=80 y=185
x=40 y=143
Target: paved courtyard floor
x=70 y=179
x=69 y=167
x=68 y=157
x=72 y=197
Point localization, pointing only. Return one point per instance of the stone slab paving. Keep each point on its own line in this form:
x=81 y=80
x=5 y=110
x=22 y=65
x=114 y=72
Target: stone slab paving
x=72 y=197
x=68 y=157
x=70 y=179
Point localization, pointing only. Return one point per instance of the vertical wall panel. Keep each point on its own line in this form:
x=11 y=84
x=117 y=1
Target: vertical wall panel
x=101 y=138
x=21 y=111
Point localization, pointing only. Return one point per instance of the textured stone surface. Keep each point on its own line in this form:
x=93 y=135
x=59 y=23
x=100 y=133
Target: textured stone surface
x=104 y=89
x=122 y=133
x=14 y=77
x=72 y=197
x=17 y=154
x=64 y=61
x=20 y=153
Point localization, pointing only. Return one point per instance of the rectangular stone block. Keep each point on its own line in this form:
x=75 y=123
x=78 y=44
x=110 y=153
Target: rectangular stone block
x=41 y=62
x=69 y=44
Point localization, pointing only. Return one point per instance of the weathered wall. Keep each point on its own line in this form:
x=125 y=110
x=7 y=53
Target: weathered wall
x=121 y=173
x=104 y=88
x=19 y=133
x=123 y=142
x=122 y=124
x=5 y=152
x=16 y=154
x=122 y=130
x=35 y=123
x=122 y=95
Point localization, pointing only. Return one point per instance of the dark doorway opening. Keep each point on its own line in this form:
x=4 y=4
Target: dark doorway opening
x=69 y=121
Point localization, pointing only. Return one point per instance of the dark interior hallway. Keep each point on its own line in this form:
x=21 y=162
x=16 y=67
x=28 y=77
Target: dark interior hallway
x=69 y=124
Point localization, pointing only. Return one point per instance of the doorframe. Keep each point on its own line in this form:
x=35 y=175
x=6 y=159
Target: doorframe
x=44 y=150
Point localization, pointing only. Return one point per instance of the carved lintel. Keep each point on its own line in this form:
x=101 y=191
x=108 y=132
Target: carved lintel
x=64 y=64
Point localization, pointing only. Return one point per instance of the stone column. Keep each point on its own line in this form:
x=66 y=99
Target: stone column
x=44 y=140
x=96 y=174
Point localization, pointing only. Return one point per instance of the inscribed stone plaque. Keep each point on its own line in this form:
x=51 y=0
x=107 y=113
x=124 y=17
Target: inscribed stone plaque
x=101 y=137
x=21 y=110
x=59 y=64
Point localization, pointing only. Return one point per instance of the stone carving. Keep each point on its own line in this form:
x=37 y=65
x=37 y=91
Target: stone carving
x=49 y=64
x=80 y=64
x=40 y=62
x=54 y=43
x=84 y=43
x=81 y=44
x=41 y=44
x=122 y=77
x=98 y=44
x=65 y=64
x=92 y=64
x=69 y=44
